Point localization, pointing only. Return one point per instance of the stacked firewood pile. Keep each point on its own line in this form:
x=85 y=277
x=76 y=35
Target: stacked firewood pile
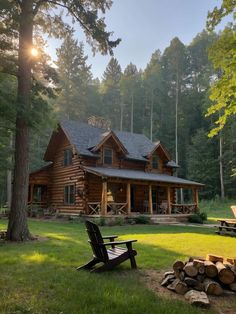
x=200 y=277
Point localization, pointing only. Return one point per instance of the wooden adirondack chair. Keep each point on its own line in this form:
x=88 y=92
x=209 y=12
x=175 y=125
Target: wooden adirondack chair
x=110 y=257
x=234 y=210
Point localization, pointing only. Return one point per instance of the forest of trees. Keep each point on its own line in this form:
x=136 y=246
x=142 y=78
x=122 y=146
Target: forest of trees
x=168 y=100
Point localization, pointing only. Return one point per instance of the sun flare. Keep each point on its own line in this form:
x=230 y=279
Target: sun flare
x=34 y=52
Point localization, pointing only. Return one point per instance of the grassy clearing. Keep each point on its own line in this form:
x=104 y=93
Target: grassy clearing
x=216 y=209
x=40 y=277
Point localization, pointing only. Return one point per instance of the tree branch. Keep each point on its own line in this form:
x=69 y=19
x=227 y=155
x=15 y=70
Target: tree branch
x=37 y=6
x=72 y=13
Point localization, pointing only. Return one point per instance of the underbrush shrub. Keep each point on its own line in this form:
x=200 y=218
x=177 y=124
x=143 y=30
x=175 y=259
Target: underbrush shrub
x=203 y=215
x=131 y=221
x=142 y=220
x=196 y=219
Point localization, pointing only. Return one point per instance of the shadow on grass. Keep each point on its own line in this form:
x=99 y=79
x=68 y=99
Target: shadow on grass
x=40 y=277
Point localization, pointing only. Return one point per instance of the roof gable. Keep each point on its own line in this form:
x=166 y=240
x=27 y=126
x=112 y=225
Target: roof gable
x=107 y=136
x=158 y=146
x=87 y=139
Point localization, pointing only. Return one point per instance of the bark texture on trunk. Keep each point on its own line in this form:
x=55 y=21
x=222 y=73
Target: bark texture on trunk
x=17 y=227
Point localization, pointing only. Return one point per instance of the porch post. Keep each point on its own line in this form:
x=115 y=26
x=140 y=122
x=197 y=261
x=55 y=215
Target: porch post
x=104 y=198
x=168 y=201
x=128 y=199
x=150 y=208
x=195 y=196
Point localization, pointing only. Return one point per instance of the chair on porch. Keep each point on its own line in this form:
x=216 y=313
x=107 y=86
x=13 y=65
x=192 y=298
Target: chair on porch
x=163 y=208
x=234 y=210
x=111 y=257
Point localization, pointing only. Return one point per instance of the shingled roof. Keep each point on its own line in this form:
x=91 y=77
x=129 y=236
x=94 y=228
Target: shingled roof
x=85 y=137
x=140 y=175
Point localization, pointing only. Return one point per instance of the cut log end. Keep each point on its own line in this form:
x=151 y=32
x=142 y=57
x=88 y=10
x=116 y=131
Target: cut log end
x=197 y=298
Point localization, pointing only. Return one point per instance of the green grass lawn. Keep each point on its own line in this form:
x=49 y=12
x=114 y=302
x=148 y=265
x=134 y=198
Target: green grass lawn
x=40 y=277
x=216 y=209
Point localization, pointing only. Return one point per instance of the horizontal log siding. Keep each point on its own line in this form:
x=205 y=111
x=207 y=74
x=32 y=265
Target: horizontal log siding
x=40 y=177
x=66 y=175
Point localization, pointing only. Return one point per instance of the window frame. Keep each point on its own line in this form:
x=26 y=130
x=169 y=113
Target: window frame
x=69 y=191
x=155 y=162
x=68 y=155
x=104 y=156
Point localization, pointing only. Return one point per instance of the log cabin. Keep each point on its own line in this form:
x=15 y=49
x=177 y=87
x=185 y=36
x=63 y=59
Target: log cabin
x=93 y=170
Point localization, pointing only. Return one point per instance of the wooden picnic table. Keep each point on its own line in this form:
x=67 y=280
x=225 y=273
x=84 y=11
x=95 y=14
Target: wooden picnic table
x=227 y=225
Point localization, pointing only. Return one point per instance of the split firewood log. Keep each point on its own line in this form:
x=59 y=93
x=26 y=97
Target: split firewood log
x=214 y=258
x=199 y=264
x=200 y=286
x=231 y=261
x=197 y=298
x=200 y=277
x=225 y=274
x=178 y=265
x=190 y=281
x=178 y=286
x=210 y=269
x=212 y=287
x=167 y=273
x=192 y=258
x=168 y=280
x=232 y=286
x=179 y=274
x=190 y=270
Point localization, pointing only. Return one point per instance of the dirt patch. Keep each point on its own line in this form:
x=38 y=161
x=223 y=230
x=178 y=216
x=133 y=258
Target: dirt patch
x=225 y=304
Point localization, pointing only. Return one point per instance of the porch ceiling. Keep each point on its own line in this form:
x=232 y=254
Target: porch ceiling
x=140 y=175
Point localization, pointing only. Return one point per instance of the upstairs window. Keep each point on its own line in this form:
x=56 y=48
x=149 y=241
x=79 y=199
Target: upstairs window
x=67 y=157
x=154 y=162
x=107 y=156
x=69 y=194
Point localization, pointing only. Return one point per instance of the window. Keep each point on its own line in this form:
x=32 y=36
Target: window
x=69 y=194
x=67 y=157
x=107 y=158
x=39 y=193
x=154 y=162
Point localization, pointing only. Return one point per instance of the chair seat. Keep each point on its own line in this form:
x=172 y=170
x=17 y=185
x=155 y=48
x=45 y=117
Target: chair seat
x=118 y=251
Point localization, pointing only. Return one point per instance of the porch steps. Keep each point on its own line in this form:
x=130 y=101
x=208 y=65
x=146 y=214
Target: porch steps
x=170 y=219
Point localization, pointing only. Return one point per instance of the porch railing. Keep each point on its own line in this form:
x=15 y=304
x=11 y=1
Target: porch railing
x=113 y=208
x=94 y=208
x=183 y=208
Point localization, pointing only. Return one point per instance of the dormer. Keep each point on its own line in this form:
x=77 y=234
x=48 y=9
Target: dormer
x=110 y=149
x=158 y=158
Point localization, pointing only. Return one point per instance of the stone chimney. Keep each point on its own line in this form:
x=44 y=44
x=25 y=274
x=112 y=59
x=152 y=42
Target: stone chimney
x=99 y=122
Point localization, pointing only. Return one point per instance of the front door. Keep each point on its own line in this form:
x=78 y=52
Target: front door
x=132 y=196
x=154 y=199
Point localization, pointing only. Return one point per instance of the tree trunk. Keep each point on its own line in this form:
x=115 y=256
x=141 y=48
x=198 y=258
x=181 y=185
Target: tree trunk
x=222 y=188
x=17 y=226
x=9 y=178
x=132 y=113
x=121 y=116
x=151 y=117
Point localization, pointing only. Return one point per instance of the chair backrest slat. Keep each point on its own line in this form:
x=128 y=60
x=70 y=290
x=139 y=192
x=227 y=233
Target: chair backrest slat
x=96 y=239
x=234 y=210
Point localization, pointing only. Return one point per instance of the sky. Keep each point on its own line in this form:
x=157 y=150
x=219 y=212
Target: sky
x=145 y=26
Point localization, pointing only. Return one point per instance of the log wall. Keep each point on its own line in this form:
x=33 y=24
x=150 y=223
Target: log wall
x=66 y=175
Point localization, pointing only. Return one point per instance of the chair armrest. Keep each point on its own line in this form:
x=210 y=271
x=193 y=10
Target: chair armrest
x=110 y=237
x=118 y=242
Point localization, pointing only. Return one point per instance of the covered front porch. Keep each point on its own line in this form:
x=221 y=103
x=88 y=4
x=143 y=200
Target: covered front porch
x=156 y=194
